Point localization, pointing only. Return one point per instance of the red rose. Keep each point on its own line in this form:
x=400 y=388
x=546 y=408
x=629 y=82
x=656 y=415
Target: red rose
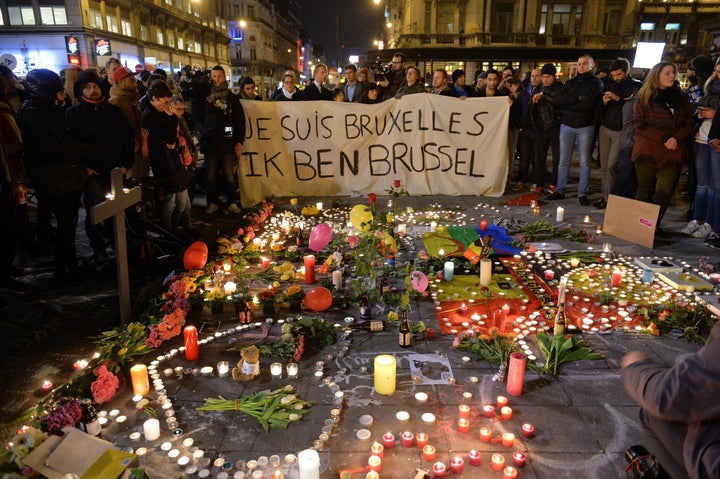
x=372 y=197
x=397 y=184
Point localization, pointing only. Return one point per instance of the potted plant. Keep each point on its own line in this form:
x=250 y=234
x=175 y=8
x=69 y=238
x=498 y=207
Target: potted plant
x=267 y=298
x=215 y=300
x=293 y=297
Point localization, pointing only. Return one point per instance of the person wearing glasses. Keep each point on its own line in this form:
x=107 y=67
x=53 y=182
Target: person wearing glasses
x=287 y=92
x=395 y=78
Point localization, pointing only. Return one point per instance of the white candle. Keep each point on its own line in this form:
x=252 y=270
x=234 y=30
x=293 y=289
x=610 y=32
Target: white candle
x=385 y=371
x=560 y=214
x=449 y=270
x=337 y=278
x=309 y=464
x=485 y=272
x=151 y=429
x=276 y=370
x=230 y=288
x=433 y=226
x=292 y=370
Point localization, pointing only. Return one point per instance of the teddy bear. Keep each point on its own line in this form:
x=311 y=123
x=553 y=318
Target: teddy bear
x=248 y=367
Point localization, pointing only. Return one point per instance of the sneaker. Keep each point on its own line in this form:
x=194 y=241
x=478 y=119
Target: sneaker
x=234 y=208
x=555 y=196
x=584 y=201
x=703 y=231
x=211 y=208
x=691 y=228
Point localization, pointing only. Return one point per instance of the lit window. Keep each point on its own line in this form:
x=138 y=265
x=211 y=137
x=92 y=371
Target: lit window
x=53 y=16
x=144 y=33
x=2 y=20
x=96 y=20
x=160 y=38
x=21 y=16
x=112 y=24
x=672 y=27
x=181 y=43
x=126 y=27
x=647 y=26
x=171 y=39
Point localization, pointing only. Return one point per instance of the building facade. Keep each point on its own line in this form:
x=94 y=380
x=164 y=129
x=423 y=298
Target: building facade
x=170 y=34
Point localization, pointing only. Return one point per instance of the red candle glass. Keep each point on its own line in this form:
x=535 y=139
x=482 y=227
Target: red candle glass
x=475 y=458
x=506 y=413
x=422 y=440
x=489 y=410
x=309 y=268
x=457 y=465
x=497 y=462
x=483 y=225
x=428 y=453
x=502 y=401
x=549 y=274
x=616 y=278
x=388 y=440
x=439 y=469
x=463 y=425
x=190 y=336
x=375 y=463
x=519 y=459
x=407 y=439
x=508 y=439
x=464 y=411
x=377 y=449
x=485 y=434
x=528 y=431
x=510 y=473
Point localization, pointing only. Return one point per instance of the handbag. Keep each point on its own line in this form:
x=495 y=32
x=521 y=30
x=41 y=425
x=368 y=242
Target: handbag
x=181 y=177
x=59 y=178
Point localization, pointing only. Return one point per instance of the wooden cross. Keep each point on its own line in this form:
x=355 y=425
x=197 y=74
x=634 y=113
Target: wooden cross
x=114 y=206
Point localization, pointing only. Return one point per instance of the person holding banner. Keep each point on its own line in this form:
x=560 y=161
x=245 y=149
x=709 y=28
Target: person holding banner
x=287 y=92
x=316 y=89
x=414 y=84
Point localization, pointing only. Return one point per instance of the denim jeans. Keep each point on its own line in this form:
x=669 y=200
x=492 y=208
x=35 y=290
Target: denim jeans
x=173 y=209
x=584 y=138
x=217 y=165
x=625 y=183
x=704 y=193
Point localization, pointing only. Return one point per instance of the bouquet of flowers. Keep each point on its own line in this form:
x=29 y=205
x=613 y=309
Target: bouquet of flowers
x=294 y=294
x=267 y=296
x=105 y=386
x=66 y=412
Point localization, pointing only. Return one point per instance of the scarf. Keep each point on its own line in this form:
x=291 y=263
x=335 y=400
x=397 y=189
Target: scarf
x=288 y=94
x=219 y=93
x=669 y=97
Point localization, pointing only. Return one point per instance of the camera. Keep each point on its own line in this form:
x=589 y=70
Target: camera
x=380 y=70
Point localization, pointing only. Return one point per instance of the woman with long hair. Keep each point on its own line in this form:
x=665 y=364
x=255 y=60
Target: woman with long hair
x=662 y=117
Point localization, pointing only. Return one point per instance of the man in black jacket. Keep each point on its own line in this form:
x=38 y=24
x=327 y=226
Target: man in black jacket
x=316 y=89
x=546 y=119
x=526 y=131
x=577 y=102
x=221 y=120
x=622 y=87
x=106 y=131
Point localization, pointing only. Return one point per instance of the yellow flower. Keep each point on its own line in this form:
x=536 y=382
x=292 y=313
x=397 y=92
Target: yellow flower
x=392 y=316
x=310 y=210
x=390 y=218
x=293 y=201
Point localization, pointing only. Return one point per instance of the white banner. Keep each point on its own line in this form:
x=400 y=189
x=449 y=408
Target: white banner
x=433 y=144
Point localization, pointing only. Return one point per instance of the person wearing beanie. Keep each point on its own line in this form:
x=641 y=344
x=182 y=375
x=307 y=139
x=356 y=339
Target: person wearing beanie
x=247 y=89
x=458 y=84
x=105 y=130
x=545 y=117
x=124 y=95
x=548 y=69
x=56 y=165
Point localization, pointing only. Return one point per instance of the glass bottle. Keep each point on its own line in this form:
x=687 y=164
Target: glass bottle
x=560 y=316
x=89 y=421
x=405 y=335
x=365 y=308
x=371 y=325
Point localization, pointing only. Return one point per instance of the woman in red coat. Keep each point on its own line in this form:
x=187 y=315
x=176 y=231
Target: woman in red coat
x=663 y=121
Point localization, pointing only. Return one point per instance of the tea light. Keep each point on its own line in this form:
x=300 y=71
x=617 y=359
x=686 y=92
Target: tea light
x=485 y=434
x=519 y=458
x=464 y=411
x=586 y=219
x=528 y=431
x=276 y=370
x=402 y=415
x=173 y=453
x=366 y=420
x=501 y=401
x=229 y=288
x=183 y=461
x=549 y=274
x=292 y=370
x=463 y=425
x=377 y=449
x=372 y=475
x=188 y=442
x=508 y=439
x=223 y=368
x=428 y=418
x=574 y=262
x=439 y=469
x=497 y=462
x=388 y=440
x=428 y=453
x=422 y=439
x=510 y=473
x=457 y=465
x=475 y=458
x=421 y=397
x=407 y=438
x=506 y=413
x=489 y=410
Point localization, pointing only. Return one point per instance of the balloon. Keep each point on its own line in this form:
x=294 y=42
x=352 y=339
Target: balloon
x=195 y=256
x=419 y=281
x=320 y=236
x=318 y=299
x=361 y=217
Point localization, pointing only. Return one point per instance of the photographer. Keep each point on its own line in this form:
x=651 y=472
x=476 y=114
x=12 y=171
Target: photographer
x=395 y=78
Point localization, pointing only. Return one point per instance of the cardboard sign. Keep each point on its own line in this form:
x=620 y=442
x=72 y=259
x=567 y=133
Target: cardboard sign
x=631 y=220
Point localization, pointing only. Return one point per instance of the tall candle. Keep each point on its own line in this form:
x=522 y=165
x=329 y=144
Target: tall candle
x=337 y=278
x=616 y=278
x=385 y=370
x=560 y=214
x=483 y=225
x=151 y=429
x=309 y=261
x=388 y=440
x=464 y=411
x=407 y=439
x=449 y=270
x=516 y=374
x=433 y=226
x=309 y=464
x=191 y=343
x=140 y=380
x=485 y=272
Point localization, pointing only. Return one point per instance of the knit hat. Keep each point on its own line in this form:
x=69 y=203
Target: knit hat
x=83 y=78
x=43 y=84
x=457 y=74
x=122 y=72
x=363 y=70
x=548 y=69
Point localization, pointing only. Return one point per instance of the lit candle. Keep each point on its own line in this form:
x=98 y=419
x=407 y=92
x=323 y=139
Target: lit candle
x=47 y=385
x=549 y=274
x=497 y=462
x=402 y=228
x=309 y=261
x=485 y=272
x=506 y=413
x=226 y=267
x=276 y=475
x=230 y=287
x=151 y=429
x=489 y=410
x=519 y=458
x=463 y=425
x=223 y=368
x=372 y=475
x=433 y=227
x=616 y=278
x=574 y=262
x=449 y=270
x=510 y=473
x=464 y=411
x=428 y=453
x=309 y=464
x=140 y=380
x=528 y=430
x=586 y=219
x=377 y=449
x=388 y=440
x=276 y=370
x=508 y=439
x=292 y=370
x=439 y=469
x=191 y=343
x=475 y=458
x=501 y=401
x=337 y=278
x=560 y=214
x=264 y=262
x=422 y=439
x=463 y=308
x=485 y=434
x=319 y=205
x=441 y=252
x=483 y=225
x=457 y=465
x=407 y=439
x=385 y=370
